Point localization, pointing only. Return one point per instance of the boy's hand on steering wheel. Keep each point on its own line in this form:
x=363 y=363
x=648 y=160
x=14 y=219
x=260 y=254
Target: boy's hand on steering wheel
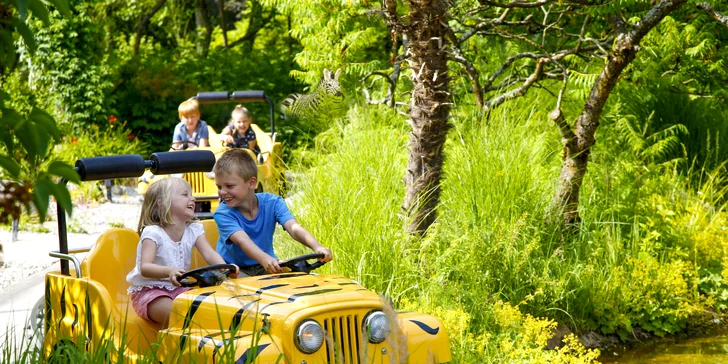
x=237 y=271
x=326 y=252
x=173 y=274
x=271 y=265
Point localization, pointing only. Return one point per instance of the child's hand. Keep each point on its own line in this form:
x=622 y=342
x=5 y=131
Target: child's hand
x=237 y=271
x=271 y=265
x=326 y=252
x=173 y=274
x=228 y=139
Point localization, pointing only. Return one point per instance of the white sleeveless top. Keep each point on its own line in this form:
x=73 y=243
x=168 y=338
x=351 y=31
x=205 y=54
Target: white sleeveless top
x=169 y=253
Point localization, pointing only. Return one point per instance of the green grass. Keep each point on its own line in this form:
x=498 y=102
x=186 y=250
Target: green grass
x=493 y=240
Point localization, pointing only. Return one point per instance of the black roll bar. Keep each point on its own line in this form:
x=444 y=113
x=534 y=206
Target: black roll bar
x=127 y=166
x=215 y=97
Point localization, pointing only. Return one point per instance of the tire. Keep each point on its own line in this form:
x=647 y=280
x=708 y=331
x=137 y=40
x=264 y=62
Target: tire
x=34 y=330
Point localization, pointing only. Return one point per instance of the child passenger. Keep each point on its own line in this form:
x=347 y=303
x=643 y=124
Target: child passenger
x=168 y=232
x=191 y=131
x=247 y=220
x=239 y=134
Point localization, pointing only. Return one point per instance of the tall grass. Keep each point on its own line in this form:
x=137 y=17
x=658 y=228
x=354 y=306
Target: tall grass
x=492 y=240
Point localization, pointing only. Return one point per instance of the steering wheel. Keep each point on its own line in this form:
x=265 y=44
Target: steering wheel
x=300 y=264
x=183 y=145
x=211 y=275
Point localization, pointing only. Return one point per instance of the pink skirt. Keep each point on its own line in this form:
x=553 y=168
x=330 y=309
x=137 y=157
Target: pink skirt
x=141 y=299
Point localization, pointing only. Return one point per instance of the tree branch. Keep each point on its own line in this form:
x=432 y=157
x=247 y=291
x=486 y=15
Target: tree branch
x=721 y=18
x=142 y=26
x=520 y=91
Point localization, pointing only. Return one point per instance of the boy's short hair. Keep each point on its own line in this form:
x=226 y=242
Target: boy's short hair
x=239 y=162
x=188 y=108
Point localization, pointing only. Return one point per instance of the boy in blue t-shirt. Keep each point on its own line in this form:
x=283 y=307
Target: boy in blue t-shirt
x=247 y=220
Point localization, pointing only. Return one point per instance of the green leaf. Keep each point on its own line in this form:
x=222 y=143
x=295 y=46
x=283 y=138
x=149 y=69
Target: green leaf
x=10 y=165
x=28 y=135
x=62 y=7
x=7 y=138
x=43 y=119
x=62 y=169
x=11 y=118
x=41 y=195
x=39 y=9
x=43 y=141
x=23 y=9
x=60 y=192
x=6 y=39
x=27 y=35
x=4 y=96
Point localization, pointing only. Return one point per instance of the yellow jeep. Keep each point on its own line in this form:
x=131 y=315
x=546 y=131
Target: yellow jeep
x=294 y=317
x=271 y=169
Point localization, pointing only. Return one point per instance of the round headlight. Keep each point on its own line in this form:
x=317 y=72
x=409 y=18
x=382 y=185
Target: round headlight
x=377 y=326
x=309 y=336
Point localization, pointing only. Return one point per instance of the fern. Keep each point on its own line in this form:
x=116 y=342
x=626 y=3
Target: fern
x=647 y=145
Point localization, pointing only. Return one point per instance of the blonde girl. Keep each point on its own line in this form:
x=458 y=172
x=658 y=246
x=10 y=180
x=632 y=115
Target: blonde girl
x=168 y=232
x=238 y=133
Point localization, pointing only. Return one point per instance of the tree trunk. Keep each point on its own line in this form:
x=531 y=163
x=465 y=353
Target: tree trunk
x=221 y=6
x=202 y=20
x=577 y=144
x=429 y=108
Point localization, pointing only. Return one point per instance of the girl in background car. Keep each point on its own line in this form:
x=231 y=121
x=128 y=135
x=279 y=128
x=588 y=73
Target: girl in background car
x=239 y=134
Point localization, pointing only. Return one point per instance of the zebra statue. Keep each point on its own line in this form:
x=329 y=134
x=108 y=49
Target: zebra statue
x=326 y=101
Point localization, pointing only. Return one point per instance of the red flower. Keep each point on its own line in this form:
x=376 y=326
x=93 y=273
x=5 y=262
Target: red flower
x=130 y=136
x=112 y=119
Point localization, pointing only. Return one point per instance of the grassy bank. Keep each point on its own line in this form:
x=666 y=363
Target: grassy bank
x=648 y=254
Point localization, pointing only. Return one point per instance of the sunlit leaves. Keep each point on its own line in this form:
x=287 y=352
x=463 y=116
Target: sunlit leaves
x=28 y=138
x=61 y=169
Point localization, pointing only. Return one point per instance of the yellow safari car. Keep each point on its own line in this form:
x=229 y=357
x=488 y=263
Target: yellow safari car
x=294 y=317
x=271 y=169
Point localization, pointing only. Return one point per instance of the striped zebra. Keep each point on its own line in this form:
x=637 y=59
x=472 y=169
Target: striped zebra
x=326 y=101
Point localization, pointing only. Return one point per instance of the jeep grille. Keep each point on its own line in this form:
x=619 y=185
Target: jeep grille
x=197 y=181
x=342 y=339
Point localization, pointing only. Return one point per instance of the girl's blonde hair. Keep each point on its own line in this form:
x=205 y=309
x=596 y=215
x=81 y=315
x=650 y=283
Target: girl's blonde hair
x=239 y=111
x=157 y=205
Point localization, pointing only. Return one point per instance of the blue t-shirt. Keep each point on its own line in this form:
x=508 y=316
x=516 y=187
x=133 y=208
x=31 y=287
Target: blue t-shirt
x=180 y=133
x=271 y=210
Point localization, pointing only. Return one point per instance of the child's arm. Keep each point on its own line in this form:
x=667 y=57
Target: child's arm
x=304 y=237
x=209 y=254
x=226 y=135
x=151 y=270
x=252 y=144
x=242 y=240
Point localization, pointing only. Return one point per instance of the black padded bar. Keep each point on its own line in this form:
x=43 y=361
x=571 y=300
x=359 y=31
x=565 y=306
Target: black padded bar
x=182 y=162
x=116 y=166
x=249 y=96
x=213 y=97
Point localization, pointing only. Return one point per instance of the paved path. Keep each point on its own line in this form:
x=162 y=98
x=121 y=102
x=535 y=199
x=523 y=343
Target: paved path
x=16 y=301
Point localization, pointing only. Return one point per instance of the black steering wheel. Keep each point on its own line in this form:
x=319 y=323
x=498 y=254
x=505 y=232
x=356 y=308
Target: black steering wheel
x=183 y=145
x=211 y=275
x=301 y=264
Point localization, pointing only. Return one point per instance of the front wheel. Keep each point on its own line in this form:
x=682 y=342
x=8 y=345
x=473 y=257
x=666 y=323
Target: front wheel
x=34 y=330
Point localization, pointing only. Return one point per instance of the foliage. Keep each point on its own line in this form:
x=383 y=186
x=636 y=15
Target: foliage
x=111 y=139
x=79 y=85
x=643 y=218
x=28 y=136
x=336 y=34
